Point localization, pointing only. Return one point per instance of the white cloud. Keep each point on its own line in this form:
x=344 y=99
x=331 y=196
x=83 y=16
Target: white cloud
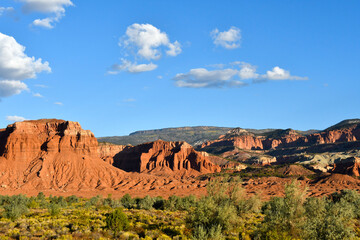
x=278 y=73
x=130 y=67
x=228 y=39
x=11 y=87
x=201 y=77
x=37 y=95
x=5 y=9
x=147 y=40
x=230 y=77
x=45 y=23
x=142 y=68
x=174 y=49
x=58 y=103
x=15 y=118
x=15 y=64
x=55 y=7
x=248 y=71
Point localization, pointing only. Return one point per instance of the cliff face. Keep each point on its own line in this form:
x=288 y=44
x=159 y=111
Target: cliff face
x=52 y=154
x=287 y=138
x=107 y=151
x=350 y=166
x=164 y=158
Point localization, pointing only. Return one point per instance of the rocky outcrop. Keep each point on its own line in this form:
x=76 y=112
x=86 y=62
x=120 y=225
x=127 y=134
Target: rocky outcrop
x=349 y=166
x=260 y=160
x=285 y=138
x=164 y=158
x=107 y=151
x=52 y=154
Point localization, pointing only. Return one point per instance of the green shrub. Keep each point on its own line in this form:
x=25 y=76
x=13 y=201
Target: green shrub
x=54 y=209
x=128 y=202
x=72 y=199
x=117 y=221
x=285 y=216
x=16 y=206
x=145 y=203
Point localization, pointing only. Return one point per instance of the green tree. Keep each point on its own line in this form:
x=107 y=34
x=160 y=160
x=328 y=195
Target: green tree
x=117 y=221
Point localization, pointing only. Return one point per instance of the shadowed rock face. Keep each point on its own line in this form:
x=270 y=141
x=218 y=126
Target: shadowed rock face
x=350 y=166
x=107 y=151
x=165 y=157
x=52 y=154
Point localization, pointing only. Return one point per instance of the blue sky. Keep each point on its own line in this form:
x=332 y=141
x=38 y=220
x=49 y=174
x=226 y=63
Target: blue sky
x=121 y=66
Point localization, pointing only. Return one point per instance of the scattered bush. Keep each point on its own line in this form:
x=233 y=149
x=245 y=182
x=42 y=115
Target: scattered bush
x=117 y=221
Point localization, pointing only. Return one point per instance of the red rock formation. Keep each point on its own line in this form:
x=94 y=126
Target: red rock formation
x=286 y=138
x=165 y=158
x=107 y=151
x=52 y=154
x=350 y=166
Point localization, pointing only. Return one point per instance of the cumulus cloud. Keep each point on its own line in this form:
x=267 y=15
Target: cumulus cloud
x=201 y=78
x=228 y=39
x=230 y=77
x=11 y=87
x=248 y=71
x=132 y=67
x=147 y=40
x=174 y=49
x=58 y=103
x=144 y=42
x=16 y=66
x=15 y=118
x=278 y=73
x=54 y=7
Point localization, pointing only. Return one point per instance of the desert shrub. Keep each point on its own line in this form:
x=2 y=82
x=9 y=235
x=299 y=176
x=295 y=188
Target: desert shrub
x=113 y=203
x=214 y=233
x=72 y=199
x=54 y=209
x=250 y=205
x=329 y=220
x=15 y=207
x=60 y=201
x=41 y=199
x=208 y=215
x=145 y=203
x=159 y=203
x=128 y=202
x=175 y=203
x=350 y=196
x=284 y=216
x=94 y=201
x=117 y=221
x=172 y=203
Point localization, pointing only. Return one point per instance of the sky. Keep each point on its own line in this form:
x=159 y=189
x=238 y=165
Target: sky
x=120 y=66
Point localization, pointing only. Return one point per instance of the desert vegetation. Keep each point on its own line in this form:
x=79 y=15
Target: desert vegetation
x=224 y=213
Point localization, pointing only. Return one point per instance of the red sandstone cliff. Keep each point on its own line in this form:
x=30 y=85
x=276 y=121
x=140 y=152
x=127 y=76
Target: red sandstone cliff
x=350 y=166
x=286 y=138
x=107 y=151
x=52 y=154
x=162 y=157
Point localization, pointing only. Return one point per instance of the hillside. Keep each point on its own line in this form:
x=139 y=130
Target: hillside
x=191 y=135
